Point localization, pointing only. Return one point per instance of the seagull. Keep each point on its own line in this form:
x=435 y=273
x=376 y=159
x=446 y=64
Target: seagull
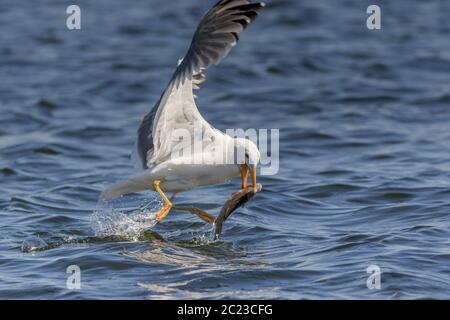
x=160 y=168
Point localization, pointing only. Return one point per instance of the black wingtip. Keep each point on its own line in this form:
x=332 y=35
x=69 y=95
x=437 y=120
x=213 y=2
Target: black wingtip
x=236 y=36
x=225 y=2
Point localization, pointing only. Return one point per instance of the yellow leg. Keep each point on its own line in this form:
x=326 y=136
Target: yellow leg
x=205 y=216
x=167 y=204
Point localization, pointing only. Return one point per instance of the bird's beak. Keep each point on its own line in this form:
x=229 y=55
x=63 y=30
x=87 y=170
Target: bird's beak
x=244 y=175
x=253 y=172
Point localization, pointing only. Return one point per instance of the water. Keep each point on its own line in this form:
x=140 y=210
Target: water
x=365 y=153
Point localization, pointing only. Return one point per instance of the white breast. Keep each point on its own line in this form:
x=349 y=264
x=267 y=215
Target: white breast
x=177 y=177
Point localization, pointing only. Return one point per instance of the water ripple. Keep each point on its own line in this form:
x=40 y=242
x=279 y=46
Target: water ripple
x=364 y=154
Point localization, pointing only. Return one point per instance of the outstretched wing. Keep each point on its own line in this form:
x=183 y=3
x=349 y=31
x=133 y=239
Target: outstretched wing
x=216 y=34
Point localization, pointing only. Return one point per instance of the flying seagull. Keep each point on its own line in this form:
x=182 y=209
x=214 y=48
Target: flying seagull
x=164 y=170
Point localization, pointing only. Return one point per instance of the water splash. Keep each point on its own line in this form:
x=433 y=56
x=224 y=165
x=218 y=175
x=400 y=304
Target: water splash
x=119 y=219
x=204 y=239
x=32 y=244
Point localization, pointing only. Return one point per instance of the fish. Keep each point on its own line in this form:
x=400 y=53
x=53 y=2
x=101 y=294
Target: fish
x=236 y=200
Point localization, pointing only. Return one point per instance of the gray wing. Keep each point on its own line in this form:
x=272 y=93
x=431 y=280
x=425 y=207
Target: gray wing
x=144 y=142
x=216 y=34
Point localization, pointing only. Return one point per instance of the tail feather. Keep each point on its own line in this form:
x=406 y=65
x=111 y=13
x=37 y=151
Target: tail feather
x=125 y=187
